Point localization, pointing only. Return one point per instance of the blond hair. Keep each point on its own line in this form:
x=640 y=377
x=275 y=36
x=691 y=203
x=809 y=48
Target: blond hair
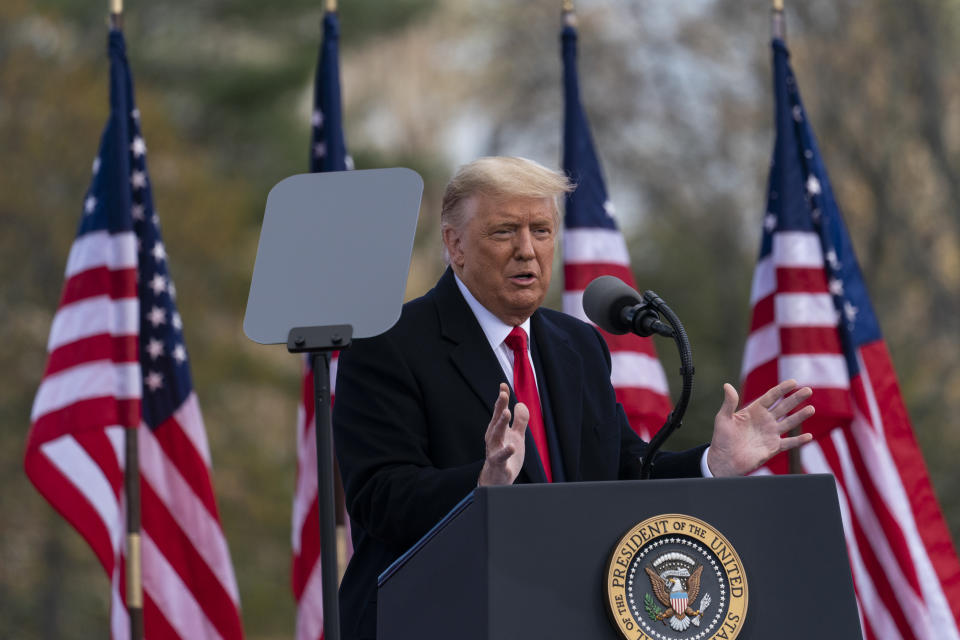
x=501 y=177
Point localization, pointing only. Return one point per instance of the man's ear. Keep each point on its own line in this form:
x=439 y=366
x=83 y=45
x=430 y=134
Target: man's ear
x=453 y=241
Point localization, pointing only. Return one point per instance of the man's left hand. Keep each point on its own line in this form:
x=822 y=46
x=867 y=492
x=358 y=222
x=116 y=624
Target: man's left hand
x=743 y=440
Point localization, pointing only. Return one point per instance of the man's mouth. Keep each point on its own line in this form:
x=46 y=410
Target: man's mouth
x=525 y=277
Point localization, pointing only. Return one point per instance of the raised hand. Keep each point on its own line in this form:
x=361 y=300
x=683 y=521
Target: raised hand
x=505 y=444
x=743 y=440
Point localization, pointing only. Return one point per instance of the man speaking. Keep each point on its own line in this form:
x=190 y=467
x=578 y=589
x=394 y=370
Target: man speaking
x=478 y=385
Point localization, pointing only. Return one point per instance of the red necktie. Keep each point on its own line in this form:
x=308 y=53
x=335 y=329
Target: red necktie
x=525 y=387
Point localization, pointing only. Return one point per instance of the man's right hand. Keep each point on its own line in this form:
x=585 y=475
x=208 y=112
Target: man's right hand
x=505 y=444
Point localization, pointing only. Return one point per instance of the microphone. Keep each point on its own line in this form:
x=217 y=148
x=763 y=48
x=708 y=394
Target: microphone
x=616 y=307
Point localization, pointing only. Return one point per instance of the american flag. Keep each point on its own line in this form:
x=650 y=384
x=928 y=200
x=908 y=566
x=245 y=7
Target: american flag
x=328 y=152
x=117 y=361
x=812 y=320
x=593 y=247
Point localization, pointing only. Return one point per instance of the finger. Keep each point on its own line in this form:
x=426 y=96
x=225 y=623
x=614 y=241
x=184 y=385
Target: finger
x=499 y=406
x=730 y=401
x=789 y=403
x=795 y=441
x=498 y=427
x=521 y=416
x=503 y=398
x=771 y=397
x=794 y=420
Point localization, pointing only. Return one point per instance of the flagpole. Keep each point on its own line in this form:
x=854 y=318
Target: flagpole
x=778 y=27
x=116 y=14
x=569 y=14
x=131 y=477
x=131 y=483
x=778 y=31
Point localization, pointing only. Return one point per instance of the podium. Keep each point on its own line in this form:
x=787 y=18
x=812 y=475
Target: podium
x=534 y=561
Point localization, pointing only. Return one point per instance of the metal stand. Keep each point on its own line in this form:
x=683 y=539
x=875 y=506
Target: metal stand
x=675 y=419
x=320 y=342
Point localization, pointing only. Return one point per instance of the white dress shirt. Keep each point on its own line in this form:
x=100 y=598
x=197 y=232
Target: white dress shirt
x=497 y=331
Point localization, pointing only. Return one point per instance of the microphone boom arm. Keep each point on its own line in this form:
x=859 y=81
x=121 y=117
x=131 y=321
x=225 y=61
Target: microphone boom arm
x=675 y=419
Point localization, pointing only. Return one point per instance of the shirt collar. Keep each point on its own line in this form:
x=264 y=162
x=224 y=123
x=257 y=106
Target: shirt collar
x=495 y=329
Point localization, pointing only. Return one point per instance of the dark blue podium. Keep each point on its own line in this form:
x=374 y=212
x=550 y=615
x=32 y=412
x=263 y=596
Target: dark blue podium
x=533 y=561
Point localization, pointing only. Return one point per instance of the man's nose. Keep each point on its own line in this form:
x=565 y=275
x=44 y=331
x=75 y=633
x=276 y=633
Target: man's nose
x=523 y=245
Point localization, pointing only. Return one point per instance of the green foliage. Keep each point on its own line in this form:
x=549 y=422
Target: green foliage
x=651 y=607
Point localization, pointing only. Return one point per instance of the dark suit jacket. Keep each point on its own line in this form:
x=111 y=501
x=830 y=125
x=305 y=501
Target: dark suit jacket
x=413 y=404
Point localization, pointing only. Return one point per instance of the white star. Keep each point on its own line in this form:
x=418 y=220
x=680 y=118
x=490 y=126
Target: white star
x=137 y=211
x=154 y=380
x=96 y=165
x=177 y=321
x=139 y=147
x=317 y=118
x=171 y=289
x=159 y=252
x=320 y=149
x=154 y=348
x=158 y=284
x=155 y=220
x=179 y=354
x=797 y=113
x=770 y=222
x=815 y=214
x=135 y=114
x=157 y=316
x=89 y=204
x=836 y=286
x=808 y=154
x=348 y=162
x=813 y=185
x=138 y=179
x=850 y=311
x=608 y=207
x=832 y=260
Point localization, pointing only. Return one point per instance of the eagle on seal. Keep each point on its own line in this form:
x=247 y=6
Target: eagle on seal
x=664 y=587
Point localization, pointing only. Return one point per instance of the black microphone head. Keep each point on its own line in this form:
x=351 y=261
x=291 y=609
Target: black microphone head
x=605 y=298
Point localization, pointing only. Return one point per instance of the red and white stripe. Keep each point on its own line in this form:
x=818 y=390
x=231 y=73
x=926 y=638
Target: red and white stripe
x=306 y=575
x=905 y=571
x=637 y=375
x=89 y=394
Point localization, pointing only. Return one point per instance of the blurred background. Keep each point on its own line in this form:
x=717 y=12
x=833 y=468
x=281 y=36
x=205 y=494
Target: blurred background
x=680 y=104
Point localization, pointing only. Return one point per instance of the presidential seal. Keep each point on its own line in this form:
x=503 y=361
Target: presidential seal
x=675 y=577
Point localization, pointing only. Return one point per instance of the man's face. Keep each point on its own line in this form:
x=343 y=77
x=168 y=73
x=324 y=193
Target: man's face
x=504 y=253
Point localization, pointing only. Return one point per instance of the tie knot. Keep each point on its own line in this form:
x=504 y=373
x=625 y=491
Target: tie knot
x=517 y=340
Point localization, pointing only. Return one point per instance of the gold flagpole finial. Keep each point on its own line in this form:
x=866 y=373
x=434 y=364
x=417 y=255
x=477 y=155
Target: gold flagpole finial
x=331 y=6
x=569 y=15
x=116 y=14
x=778 y=26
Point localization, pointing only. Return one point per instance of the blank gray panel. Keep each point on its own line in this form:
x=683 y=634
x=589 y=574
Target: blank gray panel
x=334 y=248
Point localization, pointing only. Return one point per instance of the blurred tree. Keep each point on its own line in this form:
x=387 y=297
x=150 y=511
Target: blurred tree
x=679 y=100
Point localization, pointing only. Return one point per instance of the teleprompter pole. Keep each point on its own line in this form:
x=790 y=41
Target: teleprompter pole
x=320 y=342
x=323 y=432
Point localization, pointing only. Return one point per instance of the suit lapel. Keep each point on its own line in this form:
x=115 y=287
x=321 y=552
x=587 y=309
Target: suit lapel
x=563 y=370
x=470 y=351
